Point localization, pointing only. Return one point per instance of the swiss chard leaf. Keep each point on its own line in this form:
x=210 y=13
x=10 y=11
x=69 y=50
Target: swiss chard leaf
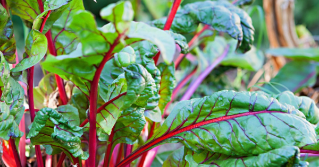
x=42 y=92
x=60 y=129
x=285 y=156
x=28 y=10
x=243 y=2
x=222 y=16
x=167 y=84
x=64 y=39
x=236 y=124
x=56 y=8
x=294 y=76
x=36 y=47
x=7 y=41
x=11 y=104
x=296 y=53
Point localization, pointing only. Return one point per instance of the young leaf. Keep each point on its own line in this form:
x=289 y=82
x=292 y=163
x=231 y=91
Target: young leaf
x=233 y=123
x=11 y=104
x=167 y=84
x=296 y=53
x=59 y=129
x=7 y=41
x=42 y=92
x=65 y=40
x=36 y=48
x=294 y=76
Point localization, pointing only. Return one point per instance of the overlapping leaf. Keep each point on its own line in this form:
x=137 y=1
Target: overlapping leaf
x=11 y=105
x=285 y=156
x=221 y=15
x=7 y=41
x=42 y=92
x=27 y=9
x=60 y=129
x=236 y=124
x=294 y=76
x=36 y=47
x=296 y=53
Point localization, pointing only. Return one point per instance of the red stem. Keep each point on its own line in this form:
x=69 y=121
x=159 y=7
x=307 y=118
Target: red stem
x=40 y=6
x=192 y=88
x=109 y=149
x=309 y=151
x=93 y=103
x=174 y=132
x=142 y=160
x=15 y=152
x=44 y=20
x=190 y=45
x=172 y=14
x=120 y=154
x=62 y=157
x=182 y=83
x=169 y=22
x=58 y=79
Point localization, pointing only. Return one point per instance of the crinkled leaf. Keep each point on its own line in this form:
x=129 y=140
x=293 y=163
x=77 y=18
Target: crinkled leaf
x=56 y=8
x=294 y=76
x=36 y=47
x=296 y=53
x=284 y=156
x=58 y=128
x=167 y=84
x=11 y=104
x=235 y=123
x=64 y=39
x=222 y=16
x=7 y=41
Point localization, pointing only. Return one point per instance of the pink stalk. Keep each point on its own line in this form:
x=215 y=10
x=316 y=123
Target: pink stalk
x=109 y=149
x=190 y=91
x=48 y=161
x=22 y=142
x=150 y=156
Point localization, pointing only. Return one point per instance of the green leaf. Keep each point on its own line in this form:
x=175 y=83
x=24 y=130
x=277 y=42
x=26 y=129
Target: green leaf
x=27 y=9
x=294 y=76
x=167 y=84
x=236 y=124
x=157 y=8
x=64 y=39
x=11 y=104
x=7 y=41
x=56 y=8
x=80 y=101
x=296 y=53
x=36 y=47
x=42 y=92
x=120 y=14
x=129 y=126
x=58 y=128
x=222 y=16
x=244 y=2
x=284 y=156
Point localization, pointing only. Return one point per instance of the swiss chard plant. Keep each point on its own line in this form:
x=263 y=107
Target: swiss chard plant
x=111 y=95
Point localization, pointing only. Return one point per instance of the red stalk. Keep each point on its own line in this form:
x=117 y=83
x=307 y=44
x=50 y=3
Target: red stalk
x=93 y=104
x=174 y=132
x=30 y=72
x=190 y=45
x=142 y=160
x=109 y=149
x=3 y=3
x=15 y=152
x=58 y=79
x=190 y=91
x=309 y=151
x=182 y=83
x=45 y=19
x=62 y=157
x=169 y=22
x=120 y=154
x=172 y=14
